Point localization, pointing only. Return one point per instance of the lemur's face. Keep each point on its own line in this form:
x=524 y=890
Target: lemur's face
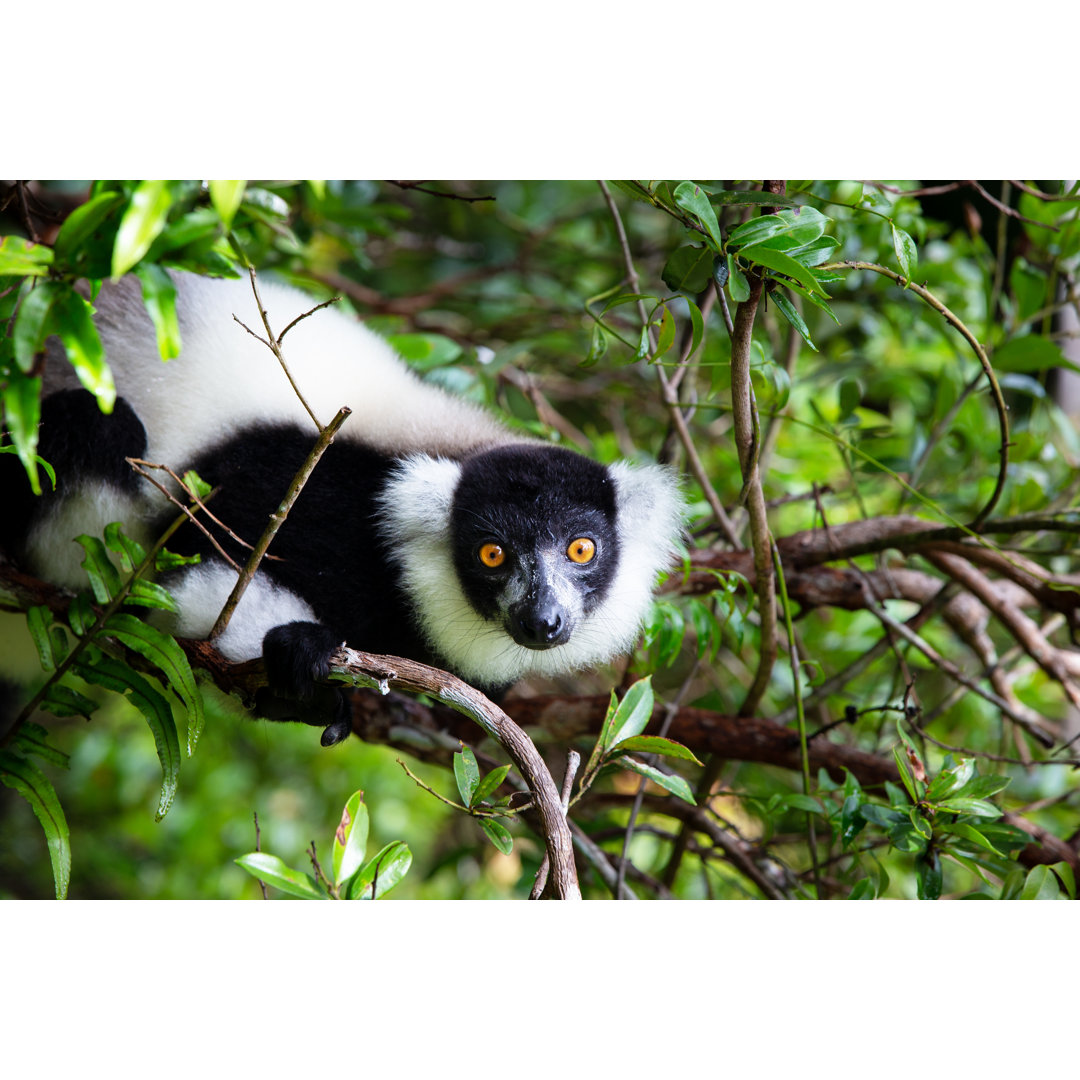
x=535 y=545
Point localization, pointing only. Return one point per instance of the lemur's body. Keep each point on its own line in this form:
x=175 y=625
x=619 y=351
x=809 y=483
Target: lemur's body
x=427 y=530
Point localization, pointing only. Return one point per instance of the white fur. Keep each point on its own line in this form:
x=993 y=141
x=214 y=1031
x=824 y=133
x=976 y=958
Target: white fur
x=201 y=591
x=416 y=517
x=334 y=359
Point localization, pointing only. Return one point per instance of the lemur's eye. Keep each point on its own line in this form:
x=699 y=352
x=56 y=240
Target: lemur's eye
x=581 y=550
x=492 y=555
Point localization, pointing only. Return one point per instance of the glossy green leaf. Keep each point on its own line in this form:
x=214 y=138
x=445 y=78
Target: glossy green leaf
x=655 y=744
x=34 y=786
x=226 y=196
x=81 y=616
x=350 y=839
x=143 y=220
x=163 y=652
x=24 y=258
x=788 y=310
x=633 y=713
x=907 y=254
x=783 y=264
x=669 y=781
x=380 y=873
x=498 y=834
x=964 y=805
x=159 y=298
x=900 y=757
x=62 y=700
x=131 y=552
x=851 y=821
x=689 y=197
x=797 y=230
x=72 y=320
x=271 y=870
x=1040 y=884
x=490 y=784
x=972 y=835
x=467 y=774
x=117 y=676
x=84 y=242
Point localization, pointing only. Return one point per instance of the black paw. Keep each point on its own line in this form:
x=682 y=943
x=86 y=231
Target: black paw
x=296 y=655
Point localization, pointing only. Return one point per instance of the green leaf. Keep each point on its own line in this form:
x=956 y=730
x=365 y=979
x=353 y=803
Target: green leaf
x=788 y=310
x=150 y=594
x=37 y=622
x=689 y=197
x=104 y=577
x=783 y=264
x=971 y=834
x=798 y=230
x=33 y=325
x=498 y=834
x=64 y=701
x=880 y=815
x=907 y=254
x=688 y=268
x=850 y=395
x=900 y=756
x=383 y=871
x=72 y=320
x=131 y=552
x=34 y=786
x=143 y=220
x=655 y=744
x=24 y=258
x=22 y=413
x=1068 y=878
x=633 y=713
x=33 y=739
x=669 y=781
x=1040 y=884
x=973 y=807
x=226 y=196
x=163 y=652
x=270 y=869
x=350 y=839
x=490 y=784
x=666 y=338
x=85 y=241
x=928 y=875
x=598 y=345
x=113 y=674
x=1030 y=354
x=159 y=298
x=467 y=774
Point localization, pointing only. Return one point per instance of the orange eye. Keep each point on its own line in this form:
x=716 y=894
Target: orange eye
x=492 y=555
x=581 y=550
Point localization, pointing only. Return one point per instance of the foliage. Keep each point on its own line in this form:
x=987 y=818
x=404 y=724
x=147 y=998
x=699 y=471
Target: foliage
x=901 y=363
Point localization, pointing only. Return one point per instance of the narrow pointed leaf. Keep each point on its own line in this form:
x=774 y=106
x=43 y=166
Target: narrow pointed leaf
x=143 y=220
x=104 y=577
x=71 y=318
x=159 y=298
x=490 y=783
x=655 y=744
x=789 y=311
x=34 y=786
x=783 y=264
x=670 y=782
x=498 y=834
x=467 y=774
x=907 y=254
x=226 y=196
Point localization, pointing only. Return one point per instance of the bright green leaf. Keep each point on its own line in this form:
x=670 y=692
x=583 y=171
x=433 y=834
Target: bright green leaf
x=907 y=254
x=71 y=318
x=143 y=220
x=655 y=744
x=350 y=839
x=24 y=258
x=34 y=786
x=226 y=196
x=381 y=872
x=159 y=298
x=467 y=774
x=271 y=870
x=490 y=784
x=689 y=197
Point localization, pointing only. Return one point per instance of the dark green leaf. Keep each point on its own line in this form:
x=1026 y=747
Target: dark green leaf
x=271 y=870
x=738 y=286
x=85 y=242
x=131 y=552
x=688 y=268
x=490 y=784
x=850 y=397
x=880 y=815
x=498 y=834
x=34 y=786
x=929 y=876
x=666 y=337
x=598 y=345
x=37 y=622
x=350 y=839
x=783 y=264
x=1030 y=353
x=33 y=739
x=63 y=701
x=788 y=310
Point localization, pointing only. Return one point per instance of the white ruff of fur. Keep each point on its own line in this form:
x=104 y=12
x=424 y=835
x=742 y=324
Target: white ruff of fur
x=416 y=518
